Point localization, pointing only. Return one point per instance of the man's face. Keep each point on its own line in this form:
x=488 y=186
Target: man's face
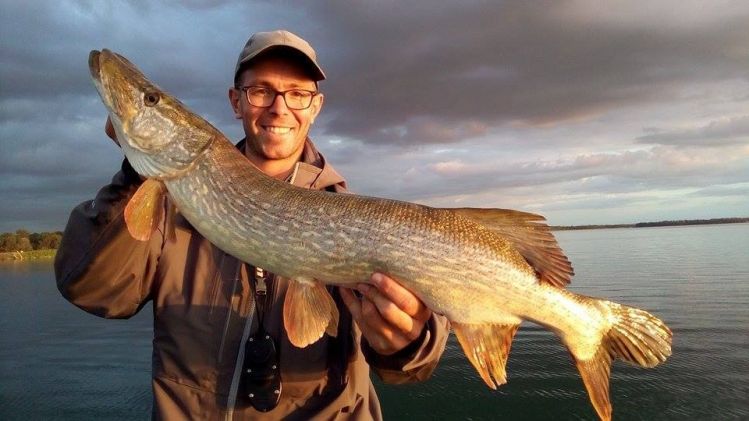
x=275 y=132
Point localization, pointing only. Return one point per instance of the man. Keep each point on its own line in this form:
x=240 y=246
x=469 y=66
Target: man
x=220 y=349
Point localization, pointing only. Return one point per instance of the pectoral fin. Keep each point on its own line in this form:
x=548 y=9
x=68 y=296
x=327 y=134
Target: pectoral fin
x=143 y=212
x=487 y=347
x=309 y=312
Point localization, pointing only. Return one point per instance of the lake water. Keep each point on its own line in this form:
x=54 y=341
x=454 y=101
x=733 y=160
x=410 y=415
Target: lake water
x=57 y=362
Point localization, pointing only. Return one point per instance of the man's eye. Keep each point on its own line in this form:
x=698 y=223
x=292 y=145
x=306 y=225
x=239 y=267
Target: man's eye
x=260 y=92
x=299 y=94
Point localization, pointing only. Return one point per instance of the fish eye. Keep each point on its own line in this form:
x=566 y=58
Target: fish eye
x=151 y=98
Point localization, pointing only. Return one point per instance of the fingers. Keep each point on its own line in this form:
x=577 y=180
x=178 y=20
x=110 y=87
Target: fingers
x=352 y=303
x=402 y=298
x=364 y=312
x=381 y=336
x=384 y=312
x=390 y=316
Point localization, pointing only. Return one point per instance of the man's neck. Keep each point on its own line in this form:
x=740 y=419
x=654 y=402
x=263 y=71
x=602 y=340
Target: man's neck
x=276 y=168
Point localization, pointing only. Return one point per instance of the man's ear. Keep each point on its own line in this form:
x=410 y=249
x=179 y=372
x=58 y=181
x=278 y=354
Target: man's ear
x=317 y=106
x=234 y=98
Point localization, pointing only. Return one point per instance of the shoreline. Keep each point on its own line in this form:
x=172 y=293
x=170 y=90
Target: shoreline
x=19 y=256
x=678 y=223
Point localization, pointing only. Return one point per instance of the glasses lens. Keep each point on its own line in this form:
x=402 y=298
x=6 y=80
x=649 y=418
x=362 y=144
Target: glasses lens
x=261 y=377
x=260 y=97
x=298 y=99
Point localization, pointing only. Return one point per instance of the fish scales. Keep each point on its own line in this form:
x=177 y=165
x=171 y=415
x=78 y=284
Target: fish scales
x=486 y=270
x=350 y=216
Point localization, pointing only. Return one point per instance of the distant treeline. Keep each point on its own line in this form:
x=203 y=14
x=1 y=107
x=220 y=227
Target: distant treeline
x=657 y=224
x=692 y=222
x=22 y=240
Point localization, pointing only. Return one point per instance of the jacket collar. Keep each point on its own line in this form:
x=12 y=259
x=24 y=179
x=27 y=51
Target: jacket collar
x=312 y=171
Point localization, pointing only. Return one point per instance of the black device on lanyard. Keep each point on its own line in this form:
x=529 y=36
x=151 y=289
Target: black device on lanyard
x=260 y=383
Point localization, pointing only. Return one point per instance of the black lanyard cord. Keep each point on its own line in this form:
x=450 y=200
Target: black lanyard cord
x=260 y=286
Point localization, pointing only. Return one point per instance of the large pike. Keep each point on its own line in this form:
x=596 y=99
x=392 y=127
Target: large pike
x=486 y=270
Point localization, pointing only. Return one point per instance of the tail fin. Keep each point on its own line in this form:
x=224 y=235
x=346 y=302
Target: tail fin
x=635 y=336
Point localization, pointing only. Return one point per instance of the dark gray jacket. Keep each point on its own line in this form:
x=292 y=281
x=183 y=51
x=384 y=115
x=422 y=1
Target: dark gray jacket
x=202 y=304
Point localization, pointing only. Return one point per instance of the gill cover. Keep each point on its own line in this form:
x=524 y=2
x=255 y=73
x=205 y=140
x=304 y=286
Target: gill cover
x=158 y=134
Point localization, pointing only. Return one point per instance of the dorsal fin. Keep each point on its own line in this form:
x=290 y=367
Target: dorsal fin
x=531 y=236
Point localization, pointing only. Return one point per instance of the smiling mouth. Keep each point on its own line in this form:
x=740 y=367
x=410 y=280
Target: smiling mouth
x=277 y=130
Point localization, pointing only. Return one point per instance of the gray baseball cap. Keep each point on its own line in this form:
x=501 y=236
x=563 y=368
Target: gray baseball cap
x=264 y=41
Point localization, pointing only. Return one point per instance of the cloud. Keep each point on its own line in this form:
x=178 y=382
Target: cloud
x=656 y=168
x=420 y=129
x=530 y=62
x=726 y=131
x=740 y=190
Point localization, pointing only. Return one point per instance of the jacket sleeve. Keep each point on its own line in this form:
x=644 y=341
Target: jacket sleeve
x=99 y=267
x=417 y=361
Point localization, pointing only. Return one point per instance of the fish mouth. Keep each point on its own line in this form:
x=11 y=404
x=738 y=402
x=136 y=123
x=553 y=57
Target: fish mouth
x=93 y=65
x=101 y=69
x=95 y=58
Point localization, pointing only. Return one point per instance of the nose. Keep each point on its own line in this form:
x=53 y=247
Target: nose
x=278 y=106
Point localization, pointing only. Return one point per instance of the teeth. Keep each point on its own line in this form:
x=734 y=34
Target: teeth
x=277 y=130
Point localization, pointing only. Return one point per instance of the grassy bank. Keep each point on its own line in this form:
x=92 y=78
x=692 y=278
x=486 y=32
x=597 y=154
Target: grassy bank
x=47 y=254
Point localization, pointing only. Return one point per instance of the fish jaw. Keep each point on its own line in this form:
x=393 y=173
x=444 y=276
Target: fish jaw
x=118 y=91
x=158 y=134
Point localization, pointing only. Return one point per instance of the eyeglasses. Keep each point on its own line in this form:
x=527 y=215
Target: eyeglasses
x=261 y=96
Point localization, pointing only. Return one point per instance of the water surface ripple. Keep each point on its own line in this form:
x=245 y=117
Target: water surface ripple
x=57 y=362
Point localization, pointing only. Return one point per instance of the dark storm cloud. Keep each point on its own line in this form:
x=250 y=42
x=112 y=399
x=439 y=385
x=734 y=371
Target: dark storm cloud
x=188 y=48
x=45 y=48
x=53 y=150
x=492 y=62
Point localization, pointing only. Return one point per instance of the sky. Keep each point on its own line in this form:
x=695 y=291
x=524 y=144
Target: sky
x=586 y=112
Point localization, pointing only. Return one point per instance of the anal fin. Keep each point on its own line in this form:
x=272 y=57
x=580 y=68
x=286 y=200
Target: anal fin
x=309 y=312
x=595 y=373
x=143 y=212
x=487 y=347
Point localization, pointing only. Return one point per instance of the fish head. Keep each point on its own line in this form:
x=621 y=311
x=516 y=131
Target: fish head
x=159 y=135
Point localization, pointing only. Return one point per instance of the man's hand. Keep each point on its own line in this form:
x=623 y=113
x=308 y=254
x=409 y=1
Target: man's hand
x=389 y=316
